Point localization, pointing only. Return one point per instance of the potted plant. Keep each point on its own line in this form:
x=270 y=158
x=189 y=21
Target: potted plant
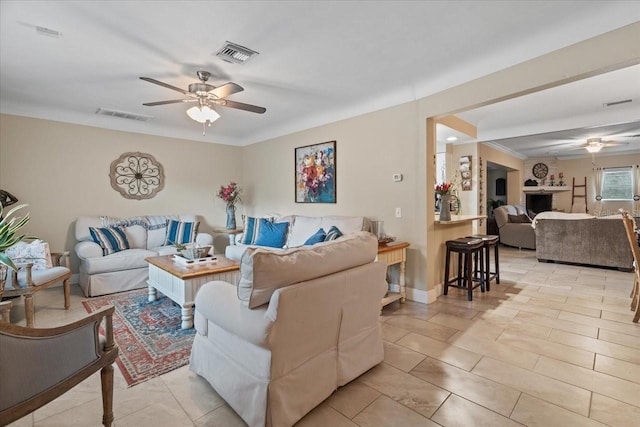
x=9 y=227
x=494 y=204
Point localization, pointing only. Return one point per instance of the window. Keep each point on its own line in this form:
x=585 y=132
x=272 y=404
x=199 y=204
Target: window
x=617 y=184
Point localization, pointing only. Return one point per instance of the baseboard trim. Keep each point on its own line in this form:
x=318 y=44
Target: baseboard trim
x=434 y=293
x=416 y=295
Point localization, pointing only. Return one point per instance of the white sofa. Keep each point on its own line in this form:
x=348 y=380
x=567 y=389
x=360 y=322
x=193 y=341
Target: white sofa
x=125 y=270
x=301 y=228
x=300 y=323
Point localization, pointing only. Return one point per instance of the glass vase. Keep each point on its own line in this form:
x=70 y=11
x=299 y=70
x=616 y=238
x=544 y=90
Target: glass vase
x=231 y=217
x=445 y=208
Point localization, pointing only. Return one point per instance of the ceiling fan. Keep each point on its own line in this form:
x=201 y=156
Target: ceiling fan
x=594 y=145
x=206 y=96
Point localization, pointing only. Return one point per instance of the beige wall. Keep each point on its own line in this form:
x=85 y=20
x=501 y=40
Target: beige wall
x=581 y=168
x=369 y=149
x=62 y=171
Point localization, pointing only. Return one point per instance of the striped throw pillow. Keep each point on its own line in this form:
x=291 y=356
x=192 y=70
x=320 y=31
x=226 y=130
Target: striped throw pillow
x=251 y=230
x=110 y=239
x=181 y=232
x=332 y=234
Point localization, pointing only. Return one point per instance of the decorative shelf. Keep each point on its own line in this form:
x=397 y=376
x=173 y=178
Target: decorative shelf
x=546 y=189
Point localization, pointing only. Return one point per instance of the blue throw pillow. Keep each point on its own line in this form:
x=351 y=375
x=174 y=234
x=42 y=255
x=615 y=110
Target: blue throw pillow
x=251 y=230
x=110 y=239
x=272 y=234
x=316 y=238
x=332 y=234
x=181 y=232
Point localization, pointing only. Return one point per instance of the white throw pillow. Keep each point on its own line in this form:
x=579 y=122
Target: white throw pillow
x=303 y=227
x=36 y=252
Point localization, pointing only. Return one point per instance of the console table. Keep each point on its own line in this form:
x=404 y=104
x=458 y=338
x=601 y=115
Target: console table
x=394 y=253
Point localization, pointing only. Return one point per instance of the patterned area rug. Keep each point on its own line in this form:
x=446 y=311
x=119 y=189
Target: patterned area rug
x=148 y=334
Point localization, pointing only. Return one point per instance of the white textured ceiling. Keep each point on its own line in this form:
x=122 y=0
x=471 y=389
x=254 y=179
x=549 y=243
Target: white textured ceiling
x=319 y=61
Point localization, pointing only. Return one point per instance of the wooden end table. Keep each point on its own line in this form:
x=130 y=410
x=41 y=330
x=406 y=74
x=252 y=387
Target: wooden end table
x=395 y=253
x=181 y=283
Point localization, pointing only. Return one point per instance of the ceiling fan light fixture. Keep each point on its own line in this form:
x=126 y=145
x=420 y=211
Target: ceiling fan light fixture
x=203 y=114
x=594 y=148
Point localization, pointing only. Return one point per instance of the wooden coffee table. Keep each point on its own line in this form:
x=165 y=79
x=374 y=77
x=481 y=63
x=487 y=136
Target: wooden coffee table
x=181 y=283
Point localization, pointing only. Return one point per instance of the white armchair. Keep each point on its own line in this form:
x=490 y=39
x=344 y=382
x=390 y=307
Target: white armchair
x=28 y=281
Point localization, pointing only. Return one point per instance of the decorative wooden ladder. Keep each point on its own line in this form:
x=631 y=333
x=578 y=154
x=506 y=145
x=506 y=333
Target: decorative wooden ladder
x=582 y=196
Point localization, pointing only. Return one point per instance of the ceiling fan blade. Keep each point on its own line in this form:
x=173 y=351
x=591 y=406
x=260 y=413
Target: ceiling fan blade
x=168 y=86
x=577 y=147
x=173 y=101
x=240 y=106
x=613 y=143
x=226 y=90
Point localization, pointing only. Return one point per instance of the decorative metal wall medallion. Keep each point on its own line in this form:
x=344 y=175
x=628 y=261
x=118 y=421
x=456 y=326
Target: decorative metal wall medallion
x=137 y=176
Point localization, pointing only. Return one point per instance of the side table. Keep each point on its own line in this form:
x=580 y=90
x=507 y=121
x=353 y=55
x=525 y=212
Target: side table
x=395 y=253
x=230 y=232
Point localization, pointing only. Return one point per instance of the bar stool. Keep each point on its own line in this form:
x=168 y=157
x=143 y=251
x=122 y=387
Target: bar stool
x=469 y=247
x=490 y=241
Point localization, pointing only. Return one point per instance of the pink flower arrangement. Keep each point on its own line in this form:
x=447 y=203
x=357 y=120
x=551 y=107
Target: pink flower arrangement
x=444 y=188
x=230 y=193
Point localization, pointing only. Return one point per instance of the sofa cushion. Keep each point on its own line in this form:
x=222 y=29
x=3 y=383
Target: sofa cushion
x=272 y=234
x=181 y=232
x=110 y=239
x=124 y=260
x=136 y=235
x=332 y=234
x=164 y=250
x=262 y=271
x=316 y=238
x=501 y=213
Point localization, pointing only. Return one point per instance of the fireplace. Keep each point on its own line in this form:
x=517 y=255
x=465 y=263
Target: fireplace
x=539 y=202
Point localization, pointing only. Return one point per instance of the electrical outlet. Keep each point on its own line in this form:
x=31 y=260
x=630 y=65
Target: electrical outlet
x=397 y=177
x=398 y=212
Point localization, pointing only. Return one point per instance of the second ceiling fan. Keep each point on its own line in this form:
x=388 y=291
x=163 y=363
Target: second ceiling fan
x=206 y=96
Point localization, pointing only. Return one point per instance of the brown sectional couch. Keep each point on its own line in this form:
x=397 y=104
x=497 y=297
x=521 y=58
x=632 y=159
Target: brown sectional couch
x=592 y=241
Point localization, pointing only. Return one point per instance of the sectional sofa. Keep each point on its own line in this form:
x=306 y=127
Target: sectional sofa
x=582 y=239
x=514 y=226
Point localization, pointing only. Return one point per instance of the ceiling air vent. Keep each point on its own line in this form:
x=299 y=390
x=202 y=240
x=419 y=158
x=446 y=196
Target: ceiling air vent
x=44 y=31
x=611 y=104
x=235 y=53
x=123 y=114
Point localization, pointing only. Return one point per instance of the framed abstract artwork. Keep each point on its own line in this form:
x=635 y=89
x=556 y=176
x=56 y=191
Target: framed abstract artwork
x=315 y=173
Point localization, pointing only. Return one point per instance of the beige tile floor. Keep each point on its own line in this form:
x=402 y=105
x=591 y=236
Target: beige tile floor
x=552 y=345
